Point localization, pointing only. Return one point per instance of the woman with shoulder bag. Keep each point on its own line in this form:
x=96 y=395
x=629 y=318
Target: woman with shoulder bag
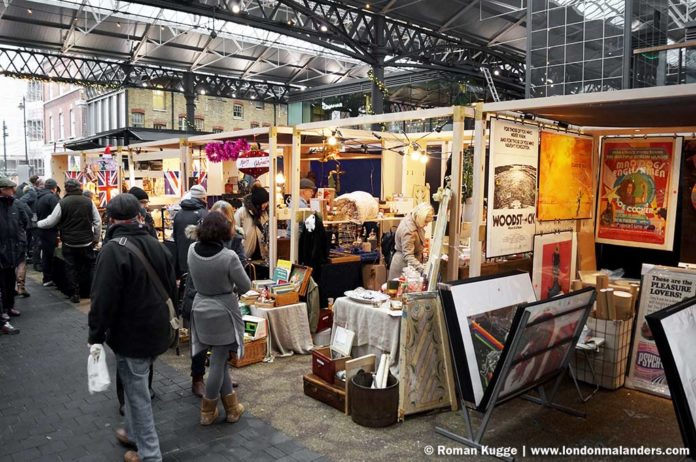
x=216 y=320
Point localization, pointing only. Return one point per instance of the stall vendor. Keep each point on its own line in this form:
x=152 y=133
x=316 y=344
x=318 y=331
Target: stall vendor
x=252 y=217
x=410 y=240
x=307 y=191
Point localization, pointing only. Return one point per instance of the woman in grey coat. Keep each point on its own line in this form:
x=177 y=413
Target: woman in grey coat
x=410 y=240
x=216 y=321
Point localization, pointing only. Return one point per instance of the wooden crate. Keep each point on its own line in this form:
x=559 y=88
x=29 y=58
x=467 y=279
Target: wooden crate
x=333 y=395
x=325 y=367
x=254 y=352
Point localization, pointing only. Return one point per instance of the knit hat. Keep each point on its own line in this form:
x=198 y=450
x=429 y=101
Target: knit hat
x=7 y=183
x=259 y=196
x=123 y=207
x=50 y=184
x=198 y=192
x=306 y=183
x=72 y=185
x=139 y=193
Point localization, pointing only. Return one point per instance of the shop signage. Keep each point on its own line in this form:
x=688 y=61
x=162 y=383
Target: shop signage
x=512 y=184
x=661 y=287
x=254 y=163
x=638 y=190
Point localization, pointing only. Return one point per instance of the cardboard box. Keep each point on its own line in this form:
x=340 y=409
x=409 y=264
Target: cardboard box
x=611 y=361
x=374 y=276
x=255 y=327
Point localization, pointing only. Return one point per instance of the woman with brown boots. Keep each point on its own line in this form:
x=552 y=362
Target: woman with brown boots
x=216 y=321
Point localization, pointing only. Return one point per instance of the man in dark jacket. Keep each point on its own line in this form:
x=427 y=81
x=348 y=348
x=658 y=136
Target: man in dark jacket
x=21 y=269
x=29 y=198
x=192 y=212
x=80 y=230
x=144 y=200
x=13 y=223
x=46 y=201
x=130 y=314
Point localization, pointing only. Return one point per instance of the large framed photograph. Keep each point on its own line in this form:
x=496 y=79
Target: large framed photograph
x=554 y=264
x=674 y=329
x=479 y=313
x=638 y=191
x=539 y=347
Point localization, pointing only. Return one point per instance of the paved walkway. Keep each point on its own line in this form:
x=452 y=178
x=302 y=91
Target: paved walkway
x=47 y=414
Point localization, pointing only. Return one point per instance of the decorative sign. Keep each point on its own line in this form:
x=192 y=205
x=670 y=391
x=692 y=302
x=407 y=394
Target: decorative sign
x=172 y=183
x=554 y=264
x=661 y=287
x=638 y=192
x=254 y=163
x=512 y=183
x=565 y=177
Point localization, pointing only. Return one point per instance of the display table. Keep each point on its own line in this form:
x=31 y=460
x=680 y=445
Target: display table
x=377 y=330
x=288 y=328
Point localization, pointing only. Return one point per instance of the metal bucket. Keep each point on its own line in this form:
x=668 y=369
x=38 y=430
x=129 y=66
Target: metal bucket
x=373 y=407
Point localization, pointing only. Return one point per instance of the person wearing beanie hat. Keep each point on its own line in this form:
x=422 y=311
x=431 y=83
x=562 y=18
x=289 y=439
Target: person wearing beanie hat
x=144 y=200
x=253 y=218
x=193 y=211
x=126 y=304
x=307 y=191
x=46 y=201
x=198 y=192
x=79 y=222
x=13 y=223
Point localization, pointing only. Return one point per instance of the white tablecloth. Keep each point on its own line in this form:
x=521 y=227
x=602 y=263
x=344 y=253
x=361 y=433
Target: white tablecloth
x=288 y=327
x=377 y=330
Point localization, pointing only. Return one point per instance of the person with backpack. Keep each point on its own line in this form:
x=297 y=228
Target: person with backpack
x=129 y=312
x=409 y=240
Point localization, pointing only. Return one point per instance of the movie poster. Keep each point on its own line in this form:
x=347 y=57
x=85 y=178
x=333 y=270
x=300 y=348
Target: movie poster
x=565 y=177
x=688 y=207
x=512 y=184
x=638 y=192
x=554 y=264
x=661 y=287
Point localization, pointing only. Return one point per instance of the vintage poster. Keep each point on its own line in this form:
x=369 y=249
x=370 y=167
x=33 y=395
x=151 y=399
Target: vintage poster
x=638 y=192
x=554 y=264
x=512 y=183
x=661 y=287
x=565 y=177
x=688 y=201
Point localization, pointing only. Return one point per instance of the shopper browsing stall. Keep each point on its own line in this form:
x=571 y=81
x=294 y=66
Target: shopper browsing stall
x=46 y=202
x=193 y=211
x=252 y=217
x=410 y=240
x=216 y=320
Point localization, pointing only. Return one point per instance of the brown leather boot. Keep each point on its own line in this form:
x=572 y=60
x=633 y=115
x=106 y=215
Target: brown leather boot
x=233 y=407
x=131 y=456
x=198 y=386
x=209 y=411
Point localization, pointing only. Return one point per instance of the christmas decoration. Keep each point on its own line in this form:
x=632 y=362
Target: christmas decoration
x=229 y=150
x=254 y=163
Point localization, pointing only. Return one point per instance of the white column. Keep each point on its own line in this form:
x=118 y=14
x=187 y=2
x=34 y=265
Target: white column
x=456 y=186
x=479 y=170
x=272 y=215
x=294 y=180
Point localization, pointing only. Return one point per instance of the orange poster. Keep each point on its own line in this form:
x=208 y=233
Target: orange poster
x=565 y=177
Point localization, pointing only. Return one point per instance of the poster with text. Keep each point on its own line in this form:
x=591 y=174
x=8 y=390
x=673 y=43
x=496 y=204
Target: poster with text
x=565 y=177
x=661 y=287
x=554 y=264
x=512 y=184
x=638 y=189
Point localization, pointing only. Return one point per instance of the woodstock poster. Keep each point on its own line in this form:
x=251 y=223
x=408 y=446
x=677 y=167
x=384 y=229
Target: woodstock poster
x=638 y=190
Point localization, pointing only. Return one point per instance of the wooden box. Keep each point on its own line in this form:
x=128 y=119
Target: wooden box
x=333 y=395
x=325 y=320
x=289 y=298
x=324 y=366
x=254 y=352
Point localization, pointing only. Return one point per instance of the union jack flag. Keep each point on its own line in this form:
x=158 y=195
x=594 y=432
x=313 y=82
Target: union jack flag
x=107 y=185
x=172 y=185
x=74 y=176
x=201 y=179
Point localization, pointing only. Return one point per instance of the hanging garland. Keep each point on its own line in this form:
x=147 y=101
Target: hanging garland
x=229 y=150
x=378 y=83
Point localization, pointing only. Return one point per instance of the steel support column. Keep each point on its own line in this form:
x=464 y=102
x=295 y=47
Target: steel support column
x=190 y=95
x=379 y=52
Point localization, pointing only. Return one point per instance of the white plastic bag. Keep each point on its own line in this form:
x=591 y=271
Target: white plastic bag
x=97 y=373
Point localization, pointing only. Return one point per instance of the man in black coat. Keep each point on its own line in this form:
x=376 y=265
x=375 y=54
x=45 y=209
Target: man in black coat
x=192 y=212
x=129 y=313
x=144 y=200
x=46 y=201
x=80 y=230
x=13 y=225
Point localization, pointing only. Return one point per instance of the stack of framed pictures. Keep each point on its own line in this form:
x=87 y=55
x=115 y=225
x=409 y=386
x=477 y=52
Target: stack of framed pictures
x=674 y=331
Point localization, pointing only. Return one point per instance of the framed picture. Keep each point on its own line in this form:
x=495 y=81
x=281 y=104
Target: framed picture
x=674 y=330
x=554 y=264
x=421 y=193
x=541 y=340
x=565 y=177
x=300 y=276
x=638 y=191
x=479 y=313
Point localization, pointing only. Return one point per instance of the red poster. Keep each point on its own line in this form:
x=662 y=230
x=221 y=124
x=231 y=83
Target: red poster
x=554 y=264
x=638 y=192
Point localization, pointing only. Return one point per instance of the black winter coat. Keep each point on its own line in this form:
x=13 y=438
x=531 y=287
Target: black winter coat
x=127 y=311
x=45 y=203
x=30 y=198
x=13 y=236
x=314 y=247
x=192 y=213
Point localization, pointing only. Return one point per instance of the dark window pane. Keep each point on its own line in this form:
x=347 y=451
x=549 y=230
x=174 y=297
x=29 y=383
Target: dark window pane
x=611 y=84
x=573 y=72
x=539 y=58
x=613 y=47
x=539 y=39
x=553 y=90
x=613 y=67
x=593 y=50
x=573 y=15
x=574 y=53
x=539 y=76
x=539 y=21
x=574 y=33
x=556 y=55
x=556 y=74
x=593 y=70
x=592 y=86
x=593 y=30
x=557 y=17
x=573 y=88
x=556 y=36
x=611 y=27
x=539 y=5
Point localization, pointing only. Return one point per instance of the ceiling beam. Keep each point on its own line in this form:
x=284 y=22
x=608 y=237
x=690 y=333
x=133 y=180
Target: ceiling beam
x=201 y=54
x=138 y=52
x=507 y=29
x=301 y=69
x=457 y=15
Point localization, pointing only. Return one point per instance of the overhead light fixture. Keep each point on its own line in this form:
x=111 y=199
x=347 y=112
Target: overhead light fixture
x=253 y=96
x=323 y=28
x=118 y=24
x=332 y=140
x=236 y=7
x=496 y=72
x=202 y=92
x=291 y=22
x=29 y=11
x=415 y=154
x=424 y=159
x=280 y=178
x=367 y=6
